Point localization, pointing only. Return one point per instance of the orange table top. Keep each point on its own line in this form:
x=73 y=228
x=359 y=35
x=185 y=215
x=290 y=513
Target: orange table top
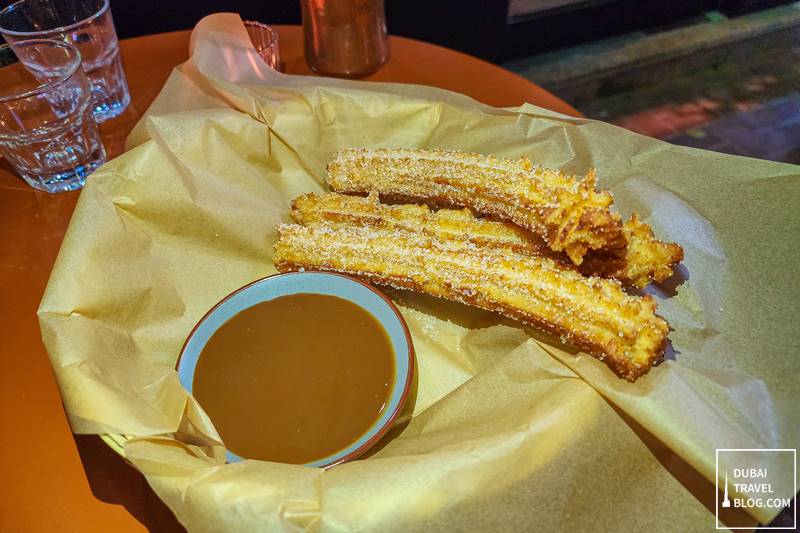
x=53 y=480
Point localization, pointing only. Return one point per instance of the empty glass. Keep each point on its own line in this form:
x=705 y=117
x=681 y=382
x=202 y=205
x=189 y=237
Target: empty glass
x=47 y=130
x=265 y=41
x=88 y=25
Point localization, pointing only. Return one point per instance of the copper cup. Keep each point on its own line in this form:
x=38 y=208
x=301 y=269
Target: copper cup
x=345 y=38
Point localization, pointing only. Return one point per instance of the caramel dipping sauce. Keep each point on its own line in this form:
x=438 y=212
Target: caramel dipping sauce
x=296 y=378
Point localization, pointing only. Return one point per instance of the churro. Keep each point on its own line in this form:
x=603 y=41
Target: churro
x=644 y=259
x=591 y=313
x=567 y=212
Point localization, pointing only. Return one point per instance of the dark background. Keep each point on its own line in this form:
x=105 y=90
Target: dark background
x=478 y=27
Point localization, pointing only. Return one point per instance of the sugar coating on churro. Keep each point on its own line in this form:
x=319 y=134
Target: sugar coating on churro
x=567 y=212
x=592 y=313
x=644 y=258
x=341 y=210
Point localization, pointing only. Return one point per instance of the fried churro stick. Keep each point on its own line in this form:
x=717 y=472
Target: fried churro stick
x=644 y=259
x=568 y=213
x=592 y=313
x=341 y=210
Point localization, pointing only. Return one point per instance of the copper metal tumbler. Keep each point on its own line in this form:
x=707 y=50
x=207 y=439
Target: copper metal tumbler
x=345 y=38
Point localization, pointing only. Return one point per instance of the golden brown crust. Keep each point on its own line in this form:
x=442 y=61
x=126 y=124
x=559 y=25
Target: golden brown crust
x=591 y=313
x=644 y=259
x=342 y=210
x=567 y=212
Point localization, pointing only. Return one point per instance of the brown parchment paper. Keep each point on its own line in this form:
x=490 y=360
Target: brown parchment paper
x=510 y=430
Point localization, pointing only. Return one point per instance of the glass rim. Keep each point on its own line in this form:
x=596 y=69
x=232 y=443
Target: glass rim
x=41 y=33
x=273 y=34
x=73 y=68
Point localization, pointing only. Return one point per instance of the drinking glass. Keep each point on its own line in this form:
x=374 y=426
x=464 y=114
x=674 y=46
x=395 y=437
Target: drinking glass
x=47 y=130
x=265 y=41
x=88 y=25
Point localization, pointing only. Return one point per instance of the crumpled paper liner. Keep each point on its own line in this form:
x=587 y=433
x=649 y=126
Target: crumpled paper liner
x=510 y=430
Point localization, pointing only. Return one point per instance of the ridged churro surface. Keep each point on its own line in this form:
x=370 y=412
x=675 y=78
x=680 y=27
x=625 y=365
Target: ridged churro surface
x=592 y=313
x=567 y=212
x=644 y=259
x=341 y=210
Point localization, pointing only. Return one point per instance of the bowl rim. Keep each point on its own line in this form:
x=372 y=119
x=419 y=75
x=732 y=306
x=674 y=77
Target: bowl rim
x=411 y=354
